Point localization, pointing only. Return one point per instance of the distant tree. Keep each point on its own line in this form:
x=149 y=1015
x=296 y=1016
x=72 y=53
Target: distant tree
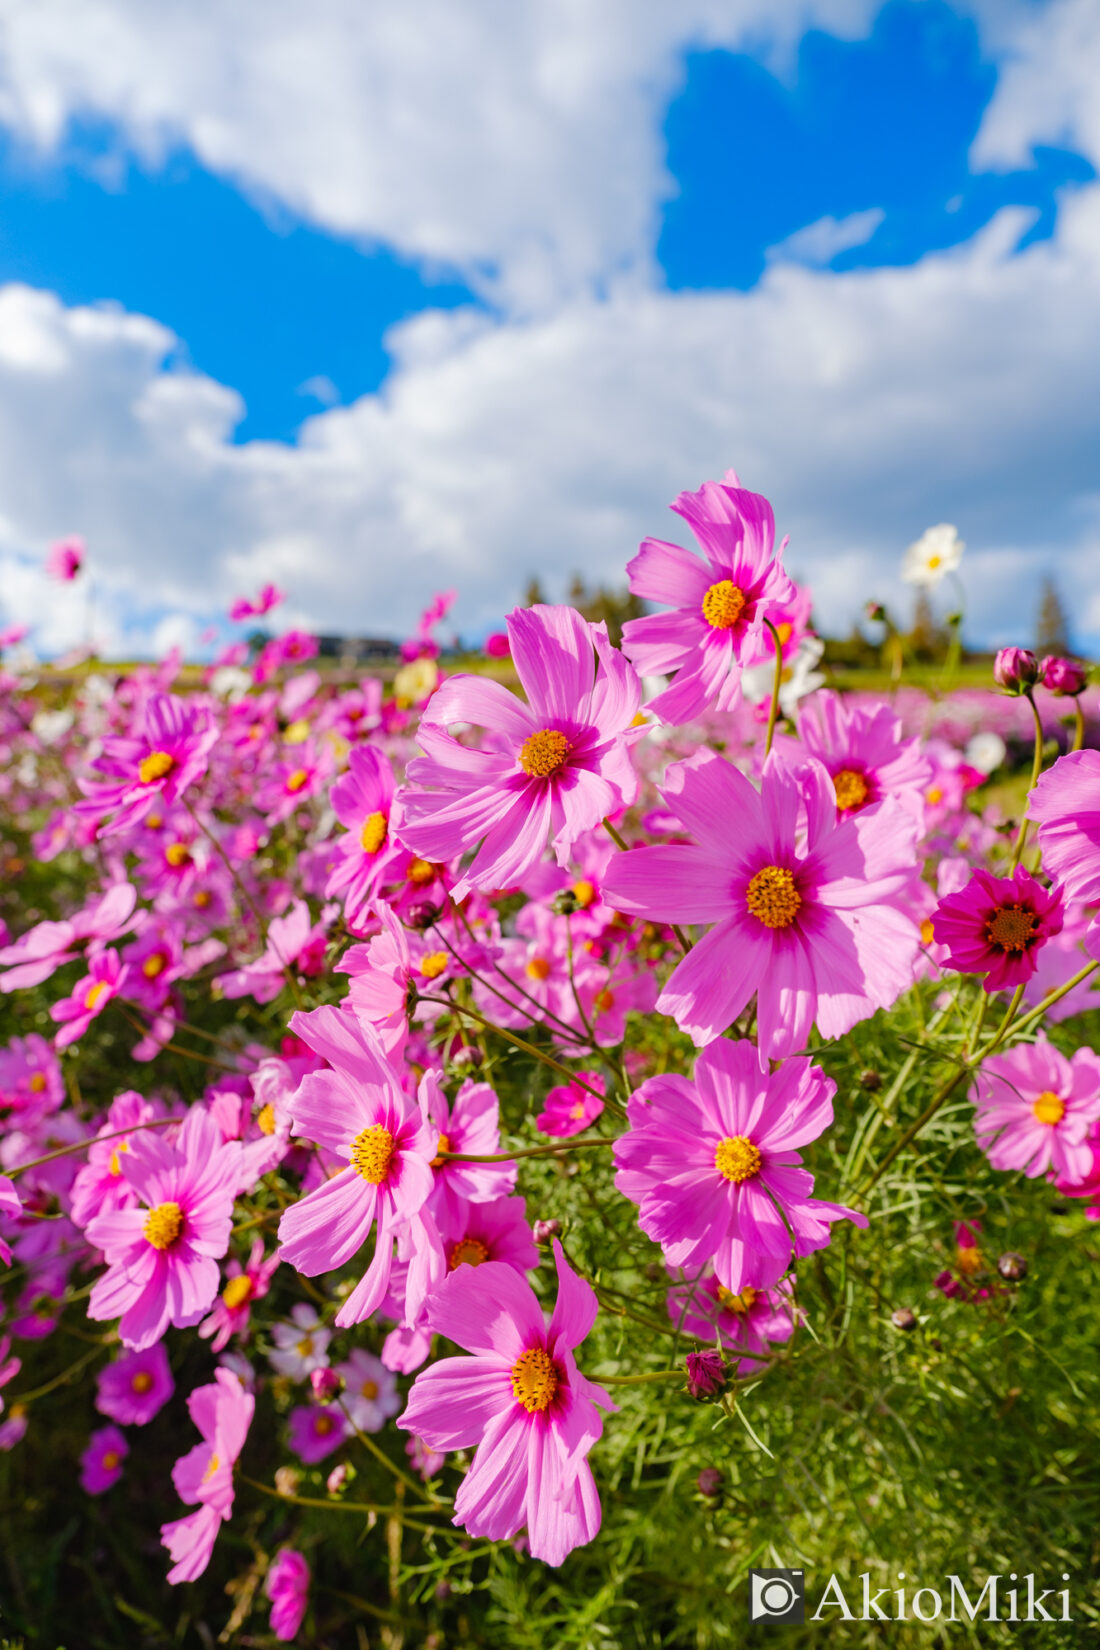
x=1051 y=628
x=533 y=595
x=613 y=607
x=926 y=639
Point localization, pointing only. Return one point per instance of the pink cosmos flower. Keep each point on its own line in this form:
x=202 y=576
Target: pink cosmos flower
x=162 y=1258
x=244 y=1284
x=106 y=977
x=1065 y=678
x=301 y=1345
x=521 y=1401
x=371 y=852
x=557 y=764
x=569 y=1109
x=315 y=1430
x=811 y=912
x=31 y=1084
x=270 y=596
x=964 y=1281
x=863 y=749
x=222 y=1412
x=712 y=1167
x=39 y=953
x=370 y=1391
x=751 y=1321
x=356 y=1111
x=469 y=1124
x=717 y=625
x=1036 y=1109
x=997 y=926
x=162 y=760
x=13 y=634
x=386 y=970
x=100 y=1187
x=1066 y=803
x=287 y=1586
x=295 y=942
x=65 y=560
x=135 y=1387
x=490 y=1231
x=10 y=1207
x=101 y=1462
x=497 y=645
x=426 y=1461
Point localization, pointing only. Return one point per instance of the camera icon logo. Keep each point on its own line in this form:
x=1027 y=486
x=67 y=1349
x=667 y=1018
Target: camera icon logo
x=777 y=1595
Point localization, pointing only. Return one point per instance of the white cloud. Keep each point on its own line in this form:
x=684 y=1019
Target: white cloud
x=819 y=243
x=867 y=405
x=1047 y=87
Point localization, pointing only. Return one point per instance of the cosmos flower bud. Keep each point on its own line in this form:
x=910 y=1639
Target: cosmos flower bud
x=339 y=1478
x=326 y=1384
x=1065 y=677
x=875 y=612
x=1015 y=669
x=706 y=1374
x=423 y=915
x=287 y=1480
x=1013 y=1267
x=565 y=903
x=544 y=1230
x=870 y=1081
x=904 y=1319
x=709 y=1482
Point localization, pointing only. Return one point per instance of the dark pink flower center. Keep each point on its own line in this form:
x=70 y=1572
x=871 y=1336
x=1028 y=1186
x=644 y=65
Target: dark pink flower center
x=1012 y=928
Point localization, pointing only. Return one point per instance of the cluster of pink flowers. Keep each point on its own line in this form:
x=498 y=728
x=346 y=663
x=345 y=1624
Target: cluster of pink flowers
x=394 y=887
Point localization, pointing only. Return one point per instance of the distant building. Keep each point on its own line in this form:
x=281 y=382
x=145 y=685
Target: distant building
x=356 y=650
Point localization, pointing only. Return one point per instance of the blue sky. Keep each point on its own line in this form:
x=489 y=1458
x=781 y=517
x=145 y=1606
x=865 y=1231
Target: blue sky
x=441 y=264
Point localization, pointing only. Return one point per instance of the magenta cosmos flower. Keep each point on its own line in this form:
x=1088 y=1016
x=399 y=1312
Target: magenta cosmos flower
x=863 y=749
x=719 y=604
x=65 y=560
x=101 y=1462
x=358 y=1112
x=749 y=1322
x=166 y=756
x=40 y=952
x=555 y=765
x=1066 y=804
x=520 y=1400
x=569 y=1109
x=713 y=1168
x=996 y=926
x=135 y=1387
x=1036 y=1110
x=314 y=1431
x=287 y=1586
x=222 y=1412
x=106 y=977
x=162 y=1259
x=810 y=911
x=370 y=854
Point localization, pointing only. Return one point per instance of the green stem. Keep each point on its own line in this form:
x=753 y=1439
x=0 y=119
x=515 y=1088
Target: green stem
x=639 y=1380
x=93 y=1140
x=1078 y=725
x=528 y=1151
x=517 y=1042
x=1036 y=770
x=1037 y=1013
x=773 y=709
x=943 y=1094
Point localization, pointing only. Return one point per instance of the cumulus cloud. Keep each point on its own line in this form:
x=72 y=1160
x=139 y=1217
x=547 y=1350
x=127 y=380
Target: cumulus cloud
x=819 y=242
x=867 y=405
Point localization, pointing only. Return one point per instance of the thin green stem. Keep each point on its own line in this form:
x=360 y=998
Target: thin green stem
x=529 y=1151
x=1078 y=725
x=93 y=1140
x=639 y=1380
x=517 y=1042
x=773 y=709
x=1037 y=1013
x=1036 y=770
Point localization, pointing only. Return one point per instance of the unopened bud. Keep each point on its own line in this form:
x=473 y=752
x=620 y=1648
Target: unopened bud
x=565 y=903
x=706 y=1374
x=287 y=1480
x=1015 y=669
x=875 y=612
x=709 y=1482
x=870 y=1080
x=1065 y=677
x=544 y=1230
x=339 y=1478
x=468 y=1055
x=423 y=915
x=904 y=1319
x=1013 y=1267
x=326 y=1384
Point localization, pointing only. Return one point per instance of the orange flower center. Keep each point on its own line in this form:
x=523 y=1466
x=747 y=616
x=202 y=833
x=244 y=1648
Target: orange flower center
x=851 y=789
x=723 y=605
x=538 y=969
x=442 y=1145
x=373 y=834
x=37 y=1083
x=115 y=1166
x=741 y=1303
x=142 y=1381
x=111 y=1460
x=157 y=765
x=1012 y=928
x=177 y=854
x=154 y=965
x=1049 y=1108
x=535 y=1379
x=237 y=1291
x=772 y=896
x=605 y=1002
x=164 y=1225
x=584 y=892
x=372 y=1153
x=369 y=1389
x=265 y=1119
x=323 y=1425
x=736 y=1158
x=297 y=779
x=543 y=753
x=927 y=932
x=420 y=871
x=468 y=1251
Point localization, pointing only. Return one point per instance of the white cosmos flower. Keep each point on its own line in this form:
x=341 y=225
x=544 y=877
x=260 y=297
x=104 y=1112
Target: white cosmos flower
x=937 y=551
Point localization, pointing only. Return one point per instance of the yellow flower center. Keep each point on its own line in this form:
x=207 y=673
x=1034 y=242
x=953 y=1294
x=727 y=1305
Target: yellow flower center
x=369 y=1389
x=323 y=1425
x=373 y=834
x=111 y=1460
x=296 y=733
x=736 y=1158
x=723 y=605
x=927 y=932
x=1012 y=928
x=968 y=1261
x=432 y=966
x=584 y=893
x=153 y=822
x=772 y=896
x=237 y=1291
x=177 y=854
x=535 y=1379
x=115 y=1166
x=95 y=992
x=164 y=1225
x=538 y=969
x=420 y=871
x=605 y=1002
x=142 y=1381
x=372 y=1153
x=214 y=1464
x=468 y=1251
x=304 y=1347
x=157 y=765
x=741 y=1303
x=544 y=753
x=1049 y=1108
x=37 y=1083
x=203 y=898
x=154 y=965
x=265 y=1119
x=442 y=1145
x=297 y=779
x=934 y=795
x=784 y=631
x=851 y=789
x=934 y=562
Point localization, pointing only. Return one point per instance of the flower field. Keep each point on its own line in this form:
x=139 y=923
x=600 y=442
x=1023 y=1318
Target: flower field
x=493 y=1159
